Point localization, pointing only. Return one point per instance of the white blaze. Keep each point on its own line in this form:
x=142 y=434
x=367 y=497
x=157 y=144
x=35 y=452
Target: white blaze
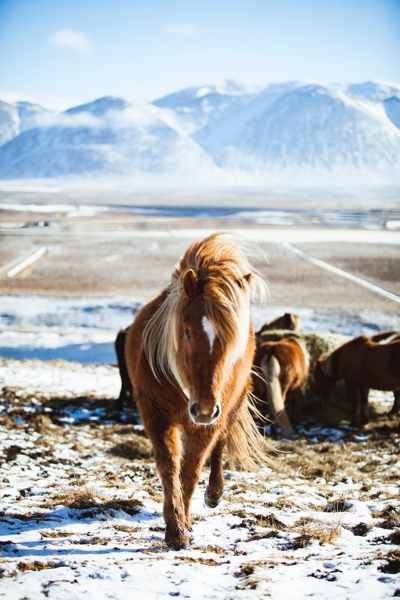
x=210 y=331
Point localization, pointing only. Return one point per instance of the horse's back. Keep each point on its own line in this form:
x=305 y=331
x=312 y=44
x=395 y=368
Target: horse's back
x=370 y=363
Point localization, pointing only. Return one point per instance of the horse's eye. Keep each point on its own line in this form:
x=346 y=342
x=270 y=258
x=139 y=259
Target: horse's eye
x=188 y=334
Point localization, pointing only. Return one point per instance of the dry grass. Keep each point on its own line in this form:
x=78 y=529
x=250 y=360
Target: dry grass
x=390 y=517
x=133 y=449
x=210 y=562
x=88 y=498
x=211 y=549
x=54 y=534
x=35 y=566
x=323 y=533
x=28 y=516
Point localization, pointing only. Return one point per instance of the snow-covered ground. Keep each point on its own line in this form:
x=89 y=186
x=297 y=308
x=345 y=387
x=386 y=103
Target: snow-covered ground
x=81 y=505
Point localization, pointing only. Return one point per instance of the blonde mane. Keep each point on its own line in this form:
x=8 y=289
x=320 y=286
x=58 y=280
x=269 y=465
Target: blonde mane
x=222 y=269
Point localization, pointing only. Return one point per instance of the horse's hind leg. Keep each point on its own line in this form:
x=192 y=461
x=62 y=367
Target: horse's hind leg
x=355 y=396
x=215 y=488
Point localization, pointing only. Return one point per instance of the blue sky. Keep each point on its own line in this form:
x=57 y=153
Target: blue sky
x=64 y=52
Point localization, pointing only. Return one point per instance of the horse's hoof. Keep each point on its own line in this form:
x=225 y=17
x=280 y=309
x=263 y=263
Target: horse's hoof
x=211 y=502
x=178 y=545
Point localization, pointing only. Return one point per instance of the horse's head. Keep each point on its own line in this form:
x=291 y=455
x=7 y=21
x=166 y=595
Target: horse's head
x=205 y=356
x=325 y=384
x=201 y=338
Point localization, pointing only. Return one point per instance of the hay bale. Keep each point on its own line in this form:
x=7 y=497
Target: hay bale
x=316 y=344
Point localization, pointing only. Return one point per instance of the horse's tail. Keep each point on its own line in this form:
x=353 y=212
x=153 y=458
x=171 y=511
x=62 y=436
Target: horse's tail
x=271 y=370
x=247 y=447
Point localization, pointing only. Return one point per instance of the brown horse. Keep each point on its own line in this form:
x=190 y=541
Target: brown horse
x=189 y=356
x=283 y=366
x=364 y=363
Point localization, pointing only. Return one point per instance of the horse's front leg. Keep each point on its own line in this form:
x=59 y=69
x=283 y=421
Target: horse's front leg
x=215 y=488
x=396 y=405
x=166 y=445
x=354 y=393
x=196 y=451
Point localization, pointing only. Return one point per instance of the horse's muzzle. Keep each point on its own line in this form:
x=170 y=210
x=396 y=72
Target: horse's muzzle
x=203 y=416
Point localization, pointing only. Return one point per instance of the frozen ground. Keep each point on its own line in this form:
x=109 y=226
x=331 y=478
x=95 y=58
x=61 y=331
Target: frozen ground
x=80 y=501
x=81 y=505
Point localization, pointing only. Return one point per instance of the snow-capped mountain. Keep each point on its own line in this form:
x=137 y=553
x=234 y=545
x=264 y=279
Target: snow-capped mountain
x=373 y=90
x=290 y=132
x=108 y=136
x=197 y=107
x=100 y=107
x=17 y=117
x=9 y=122
x=309 y=128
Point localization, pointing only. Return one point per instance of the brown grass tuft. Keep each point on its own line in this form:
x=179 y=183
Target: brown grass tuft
x=133 y=449
x=90 y=499
x=54 y=534
x=35 y=566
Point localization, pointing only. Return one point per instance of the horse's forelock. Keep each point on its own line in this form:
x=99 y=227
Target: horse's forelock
x=221 y=267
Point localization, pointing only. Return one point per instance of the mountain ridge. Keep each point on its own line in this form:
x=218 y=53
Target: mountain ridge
x=226 y=131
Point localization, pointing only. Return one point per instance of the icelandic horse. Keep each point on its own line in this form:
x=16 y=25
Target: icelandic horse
x=288 y=321
x=189 y=357
x=126 y=397
x=364 y=363
x=280 y=369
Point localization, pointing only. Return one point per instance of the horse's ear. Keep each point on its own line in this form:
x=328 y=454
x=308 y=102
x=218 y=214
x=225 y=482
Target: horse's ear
x=246 y=278
x=190 y=284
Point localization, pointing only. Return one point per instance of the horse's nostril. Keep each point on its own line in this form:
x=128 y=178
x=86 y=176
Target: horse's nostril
x=194 y=409
x=216 y=412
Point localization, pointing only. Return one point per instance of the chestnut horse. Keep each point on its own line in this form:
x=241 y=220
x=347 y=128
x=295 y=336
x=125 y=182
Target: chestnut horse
x=364 y=363
x=284 y=366
x=189 y=357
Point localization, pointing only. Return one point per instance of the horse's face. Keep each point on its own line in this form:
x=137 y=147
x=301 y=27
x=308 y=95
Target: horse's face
x=324 y=385
x=201 y=364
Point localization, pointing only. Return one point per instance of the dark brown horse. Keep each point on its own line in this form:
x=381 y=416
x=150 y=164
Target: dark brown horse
x=126 y=397
x=189 y=356
x=364 y=363
x=280 y=369
x=288 y=322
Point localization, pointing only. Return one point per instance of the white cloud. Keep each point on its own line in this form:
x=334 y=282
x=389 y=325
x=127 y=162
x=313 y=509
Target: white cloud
x=67 y=38
x=181 y=29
